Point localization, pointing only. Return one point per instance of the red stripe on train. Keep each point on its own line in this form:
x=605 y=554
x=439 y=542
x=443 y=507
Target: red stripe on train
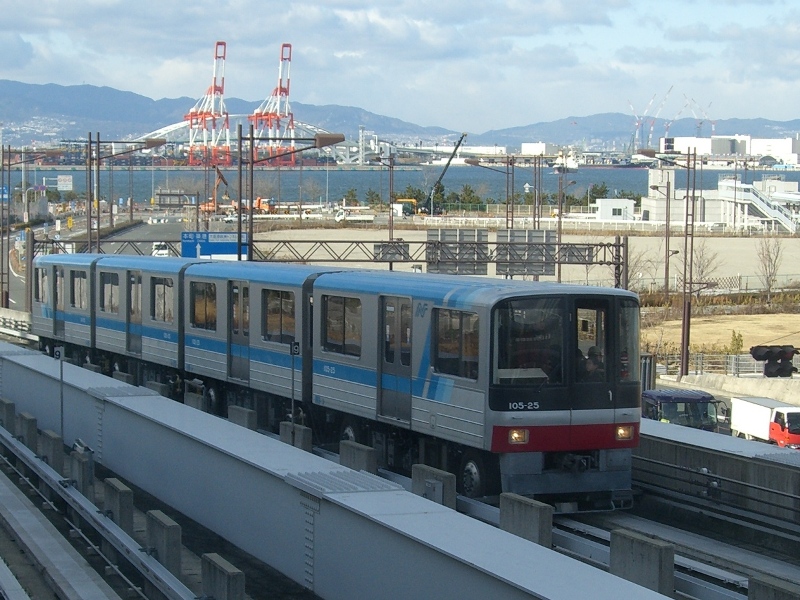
x=560 y=438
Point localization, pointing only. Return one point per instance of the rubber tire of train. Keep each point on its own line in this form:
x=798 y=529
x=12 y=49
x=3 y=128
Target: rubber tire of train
x=474 y=478
x=351 y=430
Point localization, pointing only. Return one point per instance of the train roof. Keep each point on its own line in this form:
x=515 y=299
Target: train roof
x=454 y=290
x=257 y=272
x=79 y=260
x=160 y=264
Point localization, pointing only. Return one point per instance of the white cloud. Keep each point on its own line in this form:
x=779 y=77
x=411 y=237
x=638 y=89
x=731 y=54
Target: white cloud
x=466 y=65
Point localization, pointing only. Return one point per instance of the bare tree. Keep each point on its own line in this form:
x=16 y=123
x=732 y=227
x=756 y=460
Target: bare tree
x=769 y=250
x=704 y=261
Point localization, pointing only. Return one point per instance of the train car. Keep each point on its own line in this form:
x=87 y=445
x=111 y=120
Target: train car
x=62 y=312
x=521 y=387
x=138 y=318
x=244 y=331
x=488 y=379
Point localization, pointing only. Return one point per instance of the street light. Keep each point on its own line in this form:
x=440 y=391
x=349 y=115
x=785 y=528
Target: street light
x=688 y=251
x=147 y=144
x=561 y=191
x=320 y=140
x=509 y=173
x=5 y=218
x=389 y=163
x=667 y=253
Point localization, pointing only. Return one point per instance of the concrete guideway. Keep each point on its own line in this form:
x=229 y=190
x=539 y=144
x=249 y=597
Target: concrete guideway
x=340 y=533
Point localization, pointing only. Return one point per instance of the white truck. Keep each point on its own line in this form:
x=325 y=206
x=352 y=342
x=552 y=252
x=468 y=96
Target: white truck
x=767 y=420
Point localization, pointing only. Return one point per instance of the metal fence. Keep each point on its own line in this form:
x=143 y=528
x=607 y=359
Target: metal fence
x=719 y=364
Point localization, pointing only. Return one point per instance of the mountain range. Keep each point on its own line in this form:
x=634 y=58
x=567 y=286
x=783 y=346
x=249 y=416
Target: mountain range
x=32 y=114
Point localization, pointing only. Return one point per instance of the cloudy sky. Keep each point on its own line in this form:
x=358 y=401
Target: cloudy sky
x=471 y=65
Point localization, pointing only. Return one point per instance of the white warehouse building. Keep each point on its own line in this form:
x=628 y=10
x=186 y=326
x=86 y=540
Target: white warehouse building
x=727 y=148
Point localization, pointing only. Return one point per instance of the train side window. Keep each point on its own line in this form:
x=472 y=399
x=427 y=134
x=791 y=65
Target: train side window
x=162 y=299
x=342 y=325
x=109 y=293
x=455 y=343
x=78 y=290
x=278 y=324
x=59 y=288
x=41 y=291
x=405 y=334
x=203 y=305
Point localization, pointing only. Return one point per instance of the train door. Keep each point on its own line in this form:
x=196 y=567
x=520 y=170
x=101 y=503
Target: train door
x=134 y=324
x=58 y=303
x=239 y=320
x=394 y=394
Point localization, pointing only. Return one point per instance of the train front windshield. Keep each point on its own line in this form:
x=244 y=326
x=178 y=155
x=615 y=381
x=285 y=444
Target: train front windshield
x=565 y=340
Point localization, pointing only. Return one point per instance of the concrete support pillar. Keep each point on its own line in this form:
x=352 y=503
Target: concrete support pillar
x=159 y=388
x=300 y=438
x=434 y=484
x=118 y=503
x=765 y=587
x=527 y=518
x=52 y=450
x=164 y=540
x=92 y=368
x=124 y=377
x=26 y=431
x=8 y=416
x=242 y=416
x=221 y=580
x=82 y=473
x=358 y=457
x=195 y=401
x=645 y=561
x=8 y=421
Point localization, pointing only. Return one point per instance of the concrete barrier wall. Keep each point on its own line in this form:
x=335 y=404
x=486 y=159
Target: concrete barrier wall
x=340 y=533
x=730 y=471
x=785 y=389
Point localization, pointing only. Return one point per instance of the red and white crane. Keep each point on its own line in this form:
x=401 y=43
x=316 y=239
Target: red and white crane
x=273 y=121
x=209 y=128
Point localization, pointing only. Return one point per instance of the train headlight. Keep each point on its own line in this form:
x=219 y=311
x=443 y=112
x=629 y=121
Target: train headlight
x=624 y=433
x=518 y=436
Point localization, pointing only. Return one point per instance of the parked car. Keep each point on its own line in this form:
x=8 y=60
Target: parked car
x=160 y=249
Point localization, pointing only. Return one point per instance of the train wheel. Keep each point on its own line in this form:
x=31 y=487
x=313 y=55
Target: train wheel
x=475 y=478
x=118 y=363
x=351 y=431
x=213 y=398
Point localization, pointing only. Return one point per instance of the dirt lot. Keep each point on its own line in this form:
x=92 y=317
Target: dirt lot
x=717 y=330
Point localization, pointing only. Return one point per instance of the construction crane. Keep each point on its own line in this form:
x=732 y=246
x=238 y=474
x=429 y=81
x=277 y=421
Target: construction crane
x=655 y=117
x=209 y=127
x=637 y=132
x=212 y=207
x=274 y=120
x=441 y=175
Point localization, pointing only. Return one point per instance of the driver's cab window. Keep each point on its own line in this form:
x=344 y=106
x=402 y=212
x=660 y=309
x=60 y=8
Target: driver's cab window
x=590 y=355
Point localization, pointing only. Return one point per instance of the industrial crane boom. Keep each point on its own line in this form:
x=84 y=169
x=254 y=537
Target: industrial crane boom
x=441 y=176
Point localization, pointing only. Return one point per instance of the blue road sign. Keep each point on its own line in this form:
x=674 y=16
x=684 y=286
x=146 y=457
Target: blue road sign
x=4 y=194
x=211 y=244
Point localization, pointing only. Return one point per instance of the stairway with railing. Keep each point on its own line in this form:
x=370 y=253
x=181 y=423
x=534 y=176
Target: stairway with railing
x=745 y=192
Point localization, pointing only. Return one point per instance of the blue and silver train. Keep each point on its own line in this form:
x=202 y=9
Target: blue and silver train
x=514 y=386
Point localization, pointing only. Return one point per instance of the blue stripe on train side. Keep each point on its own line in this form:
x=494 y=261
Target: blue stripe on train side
x=207 y=344
x=155 y=333
x=278 y=358
x=344 y=372
x=69 y=317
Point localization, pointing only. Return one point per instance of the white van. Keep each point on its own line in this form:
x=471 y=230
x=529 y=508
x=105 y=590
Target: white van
x=160 y=249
